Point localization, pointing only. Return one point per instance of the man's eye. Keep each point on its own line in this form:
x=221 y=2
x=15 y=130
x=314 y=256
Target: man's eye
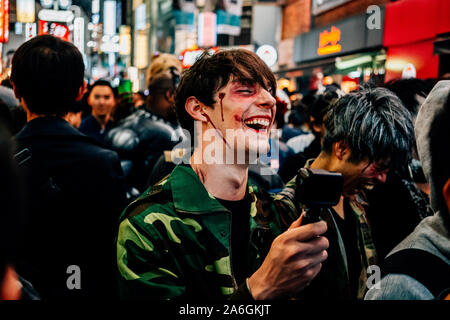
x=245 y=91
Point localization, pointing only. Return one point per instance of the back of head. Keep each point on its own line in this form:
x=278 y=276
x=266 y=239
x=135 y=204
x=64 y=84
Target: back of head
x=375 y=125
x=319 y=108
x=161 y=83
x=212 y=72
x=432 y=131
x=47 y=73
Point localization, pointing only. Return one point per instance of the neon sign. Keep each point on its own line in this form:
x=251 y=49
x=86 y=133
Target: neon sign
x=328 y=41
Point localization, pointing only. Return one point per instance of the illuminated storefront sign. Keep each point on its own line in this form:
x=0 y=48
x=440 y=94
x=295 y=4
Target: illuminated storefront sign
x=207 y=29
x=78 y=33
x=4 y=20
x=125 y=40
x=56 y=15
x=328 y=41
x=109 y=17
x=56 y=29
x=25 y=11
x=343 y=37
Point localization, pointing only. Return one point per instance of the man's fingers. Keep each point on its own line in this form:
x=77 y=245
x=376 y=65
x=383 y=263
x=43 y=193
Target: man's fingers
x=297 y=223
x=314 y=246
x=304 y=233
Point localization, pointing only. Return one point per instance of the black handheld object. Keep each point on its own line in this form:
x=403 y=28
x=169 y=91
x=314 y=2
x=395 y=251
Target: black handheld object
x=317 y=189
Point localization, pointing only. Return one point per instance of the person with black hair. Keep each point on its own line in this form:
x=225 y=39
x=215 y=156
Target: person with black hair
x=367 y=133
x=419 y=267
x=75 y=186
x=102 y=100
x=404 y=198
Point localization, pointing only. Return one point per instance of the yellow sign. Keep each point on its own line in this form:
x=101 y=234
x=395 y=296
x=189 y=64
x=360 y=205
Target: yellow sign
x=328 y=41
x=25 y=11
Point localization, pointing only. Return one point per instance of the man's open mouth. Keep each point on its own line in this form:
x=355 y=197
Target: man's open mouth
x=258 y=123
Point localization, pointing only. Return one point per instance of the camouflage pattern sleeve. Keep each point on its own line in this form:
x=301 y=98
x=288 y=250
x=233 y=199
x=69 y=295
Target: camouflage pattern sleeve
x=144 y=271
x=287 y=208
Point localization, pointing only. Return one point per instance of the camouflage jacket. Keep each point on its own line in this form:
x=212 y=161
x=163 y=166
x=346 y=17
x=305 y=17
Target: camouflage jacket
x=333 y=281
x=174 y=241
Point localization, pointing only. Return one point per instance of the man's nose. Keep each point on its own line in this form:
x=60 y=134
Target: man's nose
x=265 y=99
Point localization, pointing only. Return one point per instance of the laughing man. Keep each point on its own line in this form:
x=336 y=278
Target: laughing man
x=204 y=233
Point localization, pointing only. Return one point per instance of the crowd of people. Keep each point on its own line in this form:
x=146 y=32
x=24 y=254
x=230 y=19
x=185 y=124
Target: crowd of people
x=196 y=190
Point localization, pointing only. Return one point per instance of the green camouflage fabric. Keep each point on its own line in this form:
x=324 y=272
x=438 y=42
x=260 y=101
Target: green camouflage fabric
x=333 y=280
x=174 y=241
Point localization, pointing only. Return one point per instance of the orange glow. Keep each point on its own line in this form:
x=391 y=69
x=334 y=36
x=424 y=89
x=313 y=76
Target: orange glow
x=327 y=80
x=348 y=86
x=328 y=41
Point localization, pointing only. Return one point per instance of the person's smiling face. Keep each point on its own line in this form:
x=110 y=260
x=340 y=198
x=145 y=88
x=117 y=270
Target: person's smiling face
x=244 y=114
x=363 y=176
x=102 y=101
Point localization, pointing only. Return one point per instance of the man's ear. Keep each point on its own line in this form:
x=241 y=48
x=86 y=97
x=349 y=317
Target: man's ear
x=16 y=91
x=81 y=91
x=341 y=150
x=446 y=193
x=170 y=96
x=195 y=108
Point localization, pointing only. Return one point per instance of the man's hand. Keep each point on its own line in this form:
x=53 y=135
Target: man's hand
x=294 y=260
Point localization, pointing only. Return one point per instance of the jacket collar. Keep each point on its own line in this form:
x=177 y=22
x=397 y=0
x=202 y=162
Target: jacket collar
x=48 y=126
x=190 y=195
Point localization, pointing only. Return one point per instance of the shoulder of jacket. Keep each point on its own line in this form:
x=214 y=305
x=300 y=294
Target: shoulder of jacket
x=156 y=195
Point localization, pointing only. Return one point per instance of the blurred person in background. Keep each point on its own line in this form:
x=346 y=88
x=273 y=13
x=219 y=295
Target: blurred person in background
x=143 y=137
x=102 y=99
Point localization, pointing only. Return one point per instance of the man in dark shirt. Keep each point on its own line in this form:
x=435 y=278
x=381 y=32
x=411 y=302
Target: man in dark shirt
x=75 y=186
x=367 y=133
x=101 y=98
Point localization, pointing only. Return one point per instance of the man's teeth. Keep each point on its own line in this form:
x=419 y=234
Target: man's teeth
x=262 y=122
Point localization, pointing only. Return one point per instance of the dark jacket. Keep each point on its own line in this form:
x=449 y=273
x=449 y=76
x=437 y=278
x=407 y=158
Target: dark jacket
x=90 y=127
x=75 y=193
x=142 y=138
